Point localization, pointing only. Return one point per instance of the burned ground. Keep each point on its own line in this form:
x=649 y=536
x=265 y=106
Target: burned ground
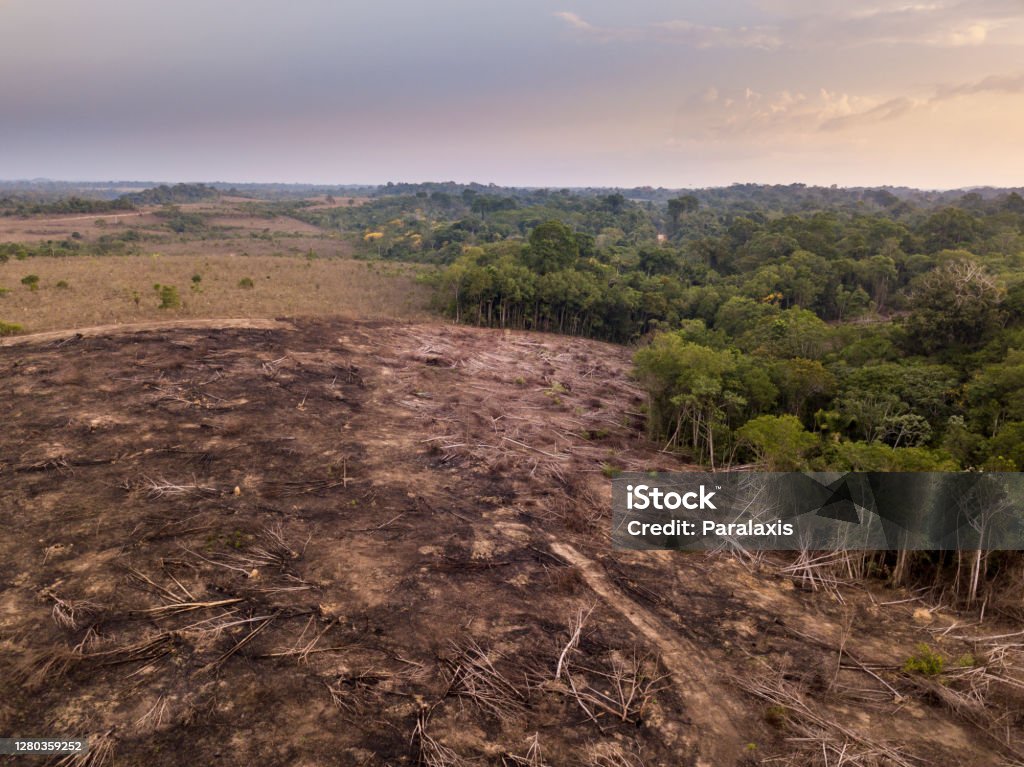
x=346 y=543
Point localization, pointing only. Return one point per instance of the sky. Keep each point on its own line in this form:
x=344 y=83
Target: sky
x=687 y=93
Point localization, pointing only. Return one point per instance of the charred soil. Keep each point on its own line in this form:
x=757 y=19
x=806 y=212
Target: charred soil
x=330 y=542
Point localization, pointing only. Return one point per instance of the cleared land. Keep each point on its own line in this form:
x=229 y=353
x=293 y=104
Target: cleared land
x=119 y=289
x=414 y=569
x=288 y=267
x=227 y=218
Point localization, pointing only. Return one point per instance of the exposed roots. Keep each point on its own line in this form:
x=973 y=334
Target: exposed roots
x=532 y=757
x=474 y=677
x=429 y=751
x=618 y=685
x=69 y=613
x=607 y=754
x=161 y=488
x=101 y=751
x=821 y=740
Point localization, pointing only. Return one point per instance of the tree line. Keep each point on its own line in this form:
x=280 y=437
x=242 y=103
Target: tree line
x=869 y=331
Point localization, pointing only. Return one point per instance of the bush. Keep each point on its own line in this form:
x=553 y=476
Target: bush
x=246 y=283
x=9 y=329
x=925 y=661
x=62 y=284
x=610 y=470
x=168 y=294
x=31 y=281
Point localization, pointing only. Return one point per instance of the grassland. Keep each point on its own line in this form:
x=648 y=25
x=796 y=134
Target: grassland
x=103 y=290
x=294 y=269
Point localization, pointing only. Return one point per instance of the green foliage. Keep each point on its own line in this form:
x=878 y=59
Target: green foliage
x=780 y=442
x=168 y=295
x=995 y=393
x=864 y=456
x=31 y=281
x=610 y=470
x=967 y=660
x=72 y=204
x=954 y=307
x=925 y=661
x=776 y=716
x=804 y=385
x=171 y=195
x=9 y=328
x=246 y=283
x=184 y=222
x=62 y=285
x=698 y=393
x=553 y=247
x=1006 y=448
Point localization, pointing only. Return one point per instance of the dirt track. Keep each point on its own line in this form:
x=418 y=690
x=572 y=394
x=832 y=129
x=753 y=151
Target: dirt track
x=420 y=512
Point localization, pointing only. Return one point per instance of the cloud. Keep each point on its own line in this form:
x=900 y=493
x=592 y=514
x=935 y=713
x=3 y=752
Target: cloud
x=1010 y=85
x=677 y=31
x=833 y=23
x=787 y=115
x=1007 y=85
x=943 y=23
x=702 y=36
x=887 y=110
x=575 y=21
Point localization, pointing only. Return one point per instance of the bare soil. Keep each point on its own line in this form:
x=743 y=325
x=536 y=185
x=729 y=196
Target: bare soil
x=362 y=543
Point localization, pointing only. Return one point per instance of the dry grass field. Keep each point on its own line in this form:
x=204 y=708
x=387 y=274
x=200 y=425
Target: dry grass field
x=103 y=290
x=229 y=215
x=295 y=268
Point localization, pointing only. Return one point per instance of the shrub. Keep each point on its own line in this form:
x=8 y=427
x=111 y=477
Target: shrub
x=9 y=328
x=168 y=294
x=925 y=661
x=31 y=281
x=247 y=283
x=62 y=284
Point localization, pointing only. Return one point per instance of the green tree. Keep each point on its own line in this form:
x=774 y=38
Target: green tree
x=954 y=306
x=804 y=385
x=1008 y=444
x=995 y=394
x=780 y=443
x=553 y=246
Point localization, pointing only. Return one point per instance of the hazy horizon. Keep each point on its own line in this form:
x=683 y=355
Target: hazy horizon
x=693 y=94
x=477 y=182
